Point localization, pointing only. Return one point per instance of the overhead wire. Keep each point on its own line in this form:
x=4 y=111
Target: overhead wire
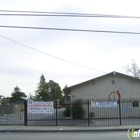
x=39 y=13
x=63 y=29
x=72 y=15
x=51 y=55
x=72 y=30
x=13 y=11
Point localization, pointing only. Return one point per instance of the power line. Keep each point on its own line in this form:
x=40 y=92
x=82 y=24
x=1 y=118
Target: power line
x=50 y=55
x=13 y=11
x=64 y=14
x=73 y=15
x=72 y=30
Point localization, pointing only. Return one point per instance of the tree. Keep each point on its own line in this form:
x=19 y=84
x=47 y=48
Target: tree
x=16 y=94
x=66 y=93
x=134 y=69
x=31 y=96
x=51 y=91
x=67 y=111
x=42 y=81
x=40 y=86
x=5 y=101
x=54 y=90
x=77 y=110
x=48 y=90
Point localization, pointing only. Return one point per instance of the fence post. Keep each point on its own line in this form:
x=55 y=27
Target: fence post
x=25 y=112
x=88 y=113
x=56 y=114
x=119 y=111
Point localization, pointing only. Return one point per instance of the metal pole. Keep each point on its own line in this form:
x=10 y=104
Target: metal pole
x=25 y=113
x=56 y=114
x=119 y=111
x=88 y=113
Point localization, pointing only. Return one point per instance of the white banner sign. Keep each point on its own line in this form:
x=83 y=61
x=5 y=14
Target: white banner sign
x=40 y=107
x=103 y=104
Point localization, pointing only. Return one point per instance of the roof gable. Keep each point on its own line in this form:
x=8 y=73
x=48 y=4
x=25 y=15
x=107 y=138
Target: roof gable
x=112 y=73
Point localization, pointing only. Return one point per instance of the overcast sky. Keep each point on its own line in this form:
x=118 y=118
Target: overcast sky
x=21 y=66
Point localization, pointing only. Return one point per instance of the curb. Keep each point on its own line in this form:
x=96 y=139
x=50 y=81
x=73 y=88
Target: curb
x=45 y=131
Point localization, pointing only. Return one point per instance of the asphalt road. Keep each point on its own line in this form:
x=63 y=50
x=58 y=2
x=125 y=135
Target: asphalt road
x=66 y=136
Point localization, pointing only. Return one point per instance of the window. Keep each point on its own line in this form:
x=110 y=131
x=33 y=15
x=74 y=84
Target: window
x=113 y=81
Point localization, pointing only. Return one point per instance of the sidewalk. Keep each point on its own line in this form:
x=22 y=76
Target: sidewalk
x=40 y=129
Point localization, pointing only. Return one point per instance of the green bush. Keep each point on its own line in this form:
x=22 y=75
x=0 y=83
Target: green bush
x=77 y=110
x=67 y=112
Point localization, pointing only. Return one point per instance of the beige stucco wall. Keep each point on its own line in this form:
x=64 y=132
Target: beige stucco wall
x=100 y=88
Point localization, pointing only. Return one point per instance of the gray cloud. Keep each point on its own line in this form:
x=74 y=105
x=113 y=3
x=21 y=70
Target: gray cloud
x=106 y=52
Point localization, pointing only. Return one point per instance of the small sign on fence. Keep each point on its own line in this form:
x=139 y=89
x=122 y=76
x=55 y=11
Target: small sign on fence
x=103 y=104
x=40 y=107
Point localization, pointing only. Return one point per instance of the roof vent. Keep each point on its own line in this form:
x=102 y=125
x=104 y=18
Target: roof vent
x=114 y=73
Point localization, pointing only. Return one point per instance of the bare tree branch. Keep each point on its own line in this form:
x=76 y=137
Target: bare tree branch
x=134 y=69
